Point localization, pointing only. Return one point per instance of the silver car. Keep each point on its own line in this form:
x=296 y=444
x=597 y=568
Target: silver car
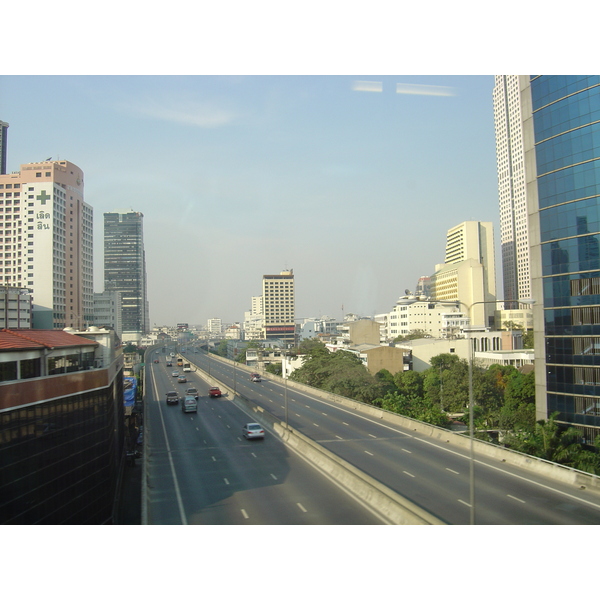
x=253 y=430
x=189 y=404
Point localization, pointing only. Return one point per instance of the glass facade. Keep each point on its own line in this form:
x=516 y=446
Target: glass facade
x=59 y=460
x=125 y=269
x=566 y=118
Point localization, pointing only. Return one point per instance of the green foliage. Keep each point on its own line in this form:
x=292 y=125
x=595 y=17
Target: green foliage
x=528 y=340
x=415 y=334
x=274 y=368
x=409 y=383
x=415 y=407
x=338 y=372
x=306 y=346
x=221 y=349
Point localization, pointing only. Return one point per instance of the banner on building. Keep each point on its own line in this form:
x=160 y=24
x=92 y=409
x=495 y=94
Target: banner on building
x=129 y=390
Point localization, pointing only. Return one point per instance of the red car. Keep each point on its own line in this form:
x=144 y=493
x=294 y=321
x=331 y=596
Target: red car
x=214 y=392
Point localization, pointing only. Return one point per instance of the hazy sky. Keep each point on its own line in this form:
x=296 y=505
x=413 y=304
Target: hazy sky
x=351 y=181
x=273 y=142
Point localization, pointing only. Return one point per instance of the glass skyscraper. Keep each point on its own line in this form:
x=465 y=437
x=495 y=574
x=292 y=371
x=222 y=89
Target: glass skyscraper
x=561 y=130
x=125 y=270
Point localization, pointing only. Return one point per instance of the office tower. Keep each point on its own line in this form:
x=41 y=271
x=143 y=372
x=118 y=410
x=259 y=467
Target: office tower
x=510 y=159
x=125 y=270
x=561 y=116
x=46 y=242
x=468 y=274
x=279 y=306
x=3 y=146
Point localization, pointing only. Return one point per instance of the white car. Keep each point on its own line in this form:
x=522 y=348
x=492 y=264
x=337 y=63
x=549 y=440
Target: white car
x=253 y=430
x=175 y=374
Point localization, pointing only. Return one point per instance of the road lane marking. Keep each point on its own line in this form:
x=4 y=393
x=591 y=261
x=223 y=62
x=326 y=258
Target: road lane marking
x=407 y=473
x=369 y=453
x=273 y=476
x=373 y=436
x=226 y=480
x=344 y=423
x=324 y=414
x=515 y=498
x=182 y=515
x=315 y=424
x=253 y=454
x=214 y=459
x=465 y=503
x=245 y=514
x=452 y=471
x=405 y=450
x=301 y=507
x=339 y=438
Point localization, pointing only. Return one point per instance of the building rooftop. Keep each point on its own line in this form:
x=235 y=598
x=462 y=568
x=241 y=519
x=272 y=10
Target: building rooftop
x=14 y=339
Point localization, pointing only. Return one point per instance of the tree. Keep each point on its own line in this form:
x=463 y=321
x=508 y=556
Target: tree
x=338 y=372
x=528 y=340
x=551 y=441
x=415 y=407
x=415 y=334
x=409 y=383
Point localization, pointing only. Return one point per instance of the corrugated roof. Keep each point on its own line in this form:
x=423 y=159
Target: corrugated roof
x=14 y=339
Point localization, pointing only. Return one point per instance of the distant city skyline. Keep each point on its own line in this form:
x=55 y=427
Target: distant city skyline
x=352 y=181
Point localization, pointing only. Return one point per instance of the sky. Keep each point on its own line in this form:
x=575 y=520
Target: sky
x=342 y=147
x=351 y=181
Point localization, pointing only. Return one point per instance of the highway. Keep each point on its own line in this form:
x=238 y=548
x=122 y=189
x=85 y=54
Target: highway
x=201 y=470
x=433 y=475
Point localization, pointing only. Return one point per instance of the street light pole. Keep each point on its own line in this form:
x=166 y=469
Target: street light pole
x=528 y=301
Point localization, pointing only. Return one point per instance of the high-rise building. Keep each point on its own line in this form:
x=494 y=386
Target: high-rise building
x=46 y=242
x=3 y=146
x=125 y=270
x=561 y=127
x=215 y=326
x=279 y=306
x=510 y=159
x=468 y=274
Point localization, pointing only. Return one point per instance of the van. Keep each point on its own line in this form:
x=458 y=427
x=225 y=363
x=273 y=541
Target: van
x=187 y=368
x=189 y=404
x=180 y=362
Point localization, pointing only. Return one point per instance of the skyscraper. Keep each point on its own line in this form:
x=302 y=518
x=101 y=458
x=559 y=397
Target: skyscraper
x=510 y=159
x=279 y=306
x=125 y=270
x=46 y=239
x=561 y=126
x=3 y=146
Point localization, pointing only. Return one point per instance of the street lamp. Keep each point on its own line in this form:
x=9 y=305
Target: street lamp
x=284 y=375
x=411 y=300
x=528 y=301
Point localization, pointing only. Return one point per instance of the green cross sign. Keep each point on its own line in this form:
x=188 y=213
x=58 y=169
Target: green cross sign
x=43 y=197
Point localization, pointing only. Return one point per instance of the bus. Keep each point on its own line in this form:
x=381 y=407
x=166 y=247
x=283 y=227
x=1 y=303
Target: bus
x=180 y=362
